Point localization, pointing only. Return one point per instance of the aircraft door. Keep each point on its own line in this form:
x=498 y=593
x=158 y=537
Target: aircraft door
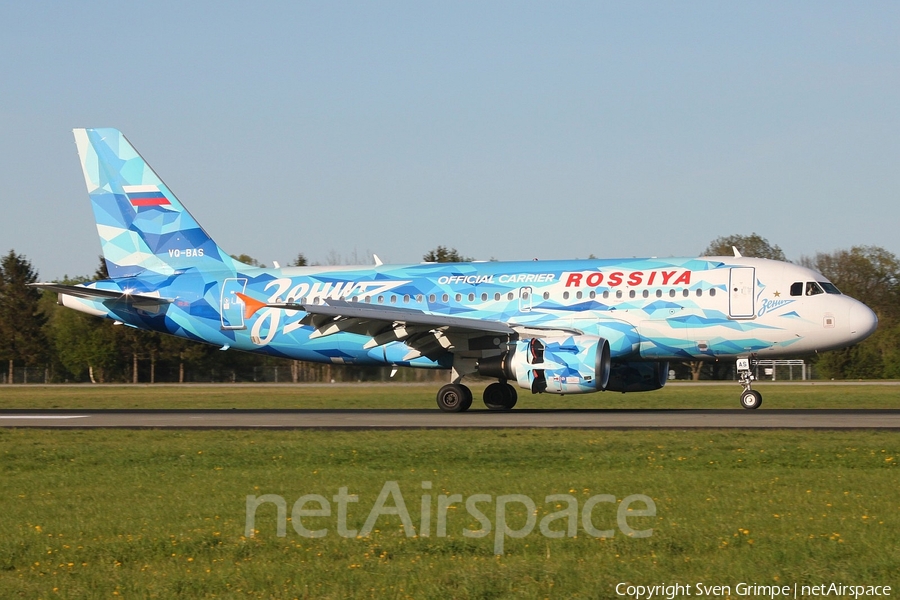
x=742 y=292
x=525 y=294
x=232 y=308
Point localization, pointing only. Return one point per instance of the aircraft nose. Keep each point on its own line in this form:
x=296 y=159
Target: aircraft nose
x=862 y=321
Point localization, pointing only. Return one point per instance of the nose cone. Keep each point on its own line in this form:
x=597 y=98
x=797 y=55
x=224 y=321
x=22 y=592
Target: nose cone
x=862 y=321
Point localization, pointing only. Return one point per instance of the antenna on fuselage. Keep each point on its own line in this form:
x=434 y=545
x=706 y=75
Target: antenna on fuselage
x=737 y=253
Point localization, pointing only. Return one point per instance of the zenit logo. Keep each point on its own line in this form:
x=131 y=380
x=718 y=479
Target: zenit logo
x=632 y=279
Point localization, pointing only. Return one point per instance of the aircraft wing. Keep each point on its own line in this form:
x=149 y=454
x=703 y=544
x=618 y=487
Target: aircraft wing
x=424 y=332
x=88 y=293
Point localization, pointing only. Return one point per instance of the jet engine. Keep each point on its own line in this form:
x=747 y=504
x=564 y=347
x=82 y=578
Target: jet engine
x=577 y=364
x=637 y=376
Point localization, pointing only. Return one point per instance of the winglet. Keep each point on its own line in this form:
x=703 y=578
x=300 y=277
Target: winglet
x=251 y=306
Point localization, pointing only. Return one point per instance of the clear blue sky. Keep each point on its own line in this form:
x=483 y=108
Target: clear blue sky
x=507 y=130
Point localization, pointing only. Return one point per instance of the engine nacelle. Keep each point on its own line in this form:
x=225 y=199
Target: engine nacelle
x=638 y=376
x=577 y=364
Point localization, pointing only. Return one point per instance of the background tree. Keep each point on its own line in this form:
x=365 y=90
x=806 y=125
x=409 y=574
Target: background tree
x=748 y=245
x=442 y=254
x=248 y=260
x=21 y=320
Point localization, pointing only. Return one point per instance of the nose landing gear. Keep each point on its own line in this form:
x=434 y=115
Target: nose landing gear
x=750 y=398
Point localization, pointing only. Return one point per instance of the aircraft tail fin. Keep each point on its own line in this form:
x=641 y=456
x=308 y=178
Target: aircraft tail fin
x=142 y=225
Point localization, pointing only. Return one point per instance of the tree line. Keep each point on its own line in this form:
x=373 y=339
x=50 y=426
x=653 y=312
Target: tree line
x=55 y=344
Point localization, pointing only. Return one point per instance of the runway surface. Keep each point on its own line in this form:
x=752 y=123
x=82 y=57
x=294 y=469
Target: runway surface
x=434 y=419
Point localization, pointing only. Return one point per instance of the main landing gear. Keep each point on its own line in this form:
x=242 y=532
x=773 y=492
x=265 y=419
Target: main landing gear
x=500 y=396
x=750 y=398
x=455 y=397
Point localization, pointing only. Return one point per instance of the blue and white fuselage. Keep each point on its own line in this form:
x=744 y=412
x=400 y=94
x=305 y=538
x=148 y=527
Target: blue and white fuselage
x=551 y=326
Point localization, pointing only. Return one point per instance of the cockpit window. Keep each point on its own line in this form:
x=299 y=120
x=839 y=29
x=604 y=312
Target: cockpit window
x=830 y=288
x=813 y=288
x=797 y=288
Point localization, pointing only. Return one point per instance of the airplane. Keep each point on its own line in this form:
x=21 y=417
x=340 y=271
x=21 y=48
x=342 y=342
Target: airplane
x=555 y=327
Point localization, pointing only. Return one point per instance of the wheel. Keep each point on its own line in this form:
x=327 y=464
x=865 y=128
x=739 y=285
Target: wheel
x=500 y=396
x=454 y=397
x=511 y=395
x=751 y=399
x=467 y=401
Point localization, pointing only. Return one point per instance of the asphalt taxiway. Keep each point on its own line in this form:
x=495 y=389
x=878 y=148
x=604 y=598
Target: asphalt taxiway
x=434 y=419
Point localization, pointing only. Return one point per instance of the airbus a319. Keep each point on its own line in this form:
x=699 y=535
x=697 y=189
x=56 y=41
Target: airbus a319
x=555 y=327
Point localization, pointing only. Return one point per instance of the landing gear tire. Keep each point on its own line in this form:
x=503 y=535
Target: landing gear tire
x=454 y=397
x=751 y=399
x=500 y=396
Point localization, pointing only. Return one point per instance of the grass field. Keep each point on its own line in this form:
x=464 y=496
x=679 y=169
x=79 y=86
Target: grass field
x=107 y=513
x=674 y=395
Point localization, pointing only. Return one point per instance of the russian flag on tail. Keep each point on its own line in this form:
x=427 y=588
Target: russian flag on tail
x=145 y=195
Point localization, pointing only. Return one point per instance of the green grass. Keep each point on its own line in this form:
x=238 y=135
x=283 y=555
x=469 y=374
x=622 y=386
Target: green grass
x=98 y=513
x=363 y=395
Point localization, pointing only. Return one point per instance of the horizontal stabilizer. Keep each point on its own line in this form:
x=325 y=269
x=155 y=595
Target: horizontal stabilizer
x=100 y=295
